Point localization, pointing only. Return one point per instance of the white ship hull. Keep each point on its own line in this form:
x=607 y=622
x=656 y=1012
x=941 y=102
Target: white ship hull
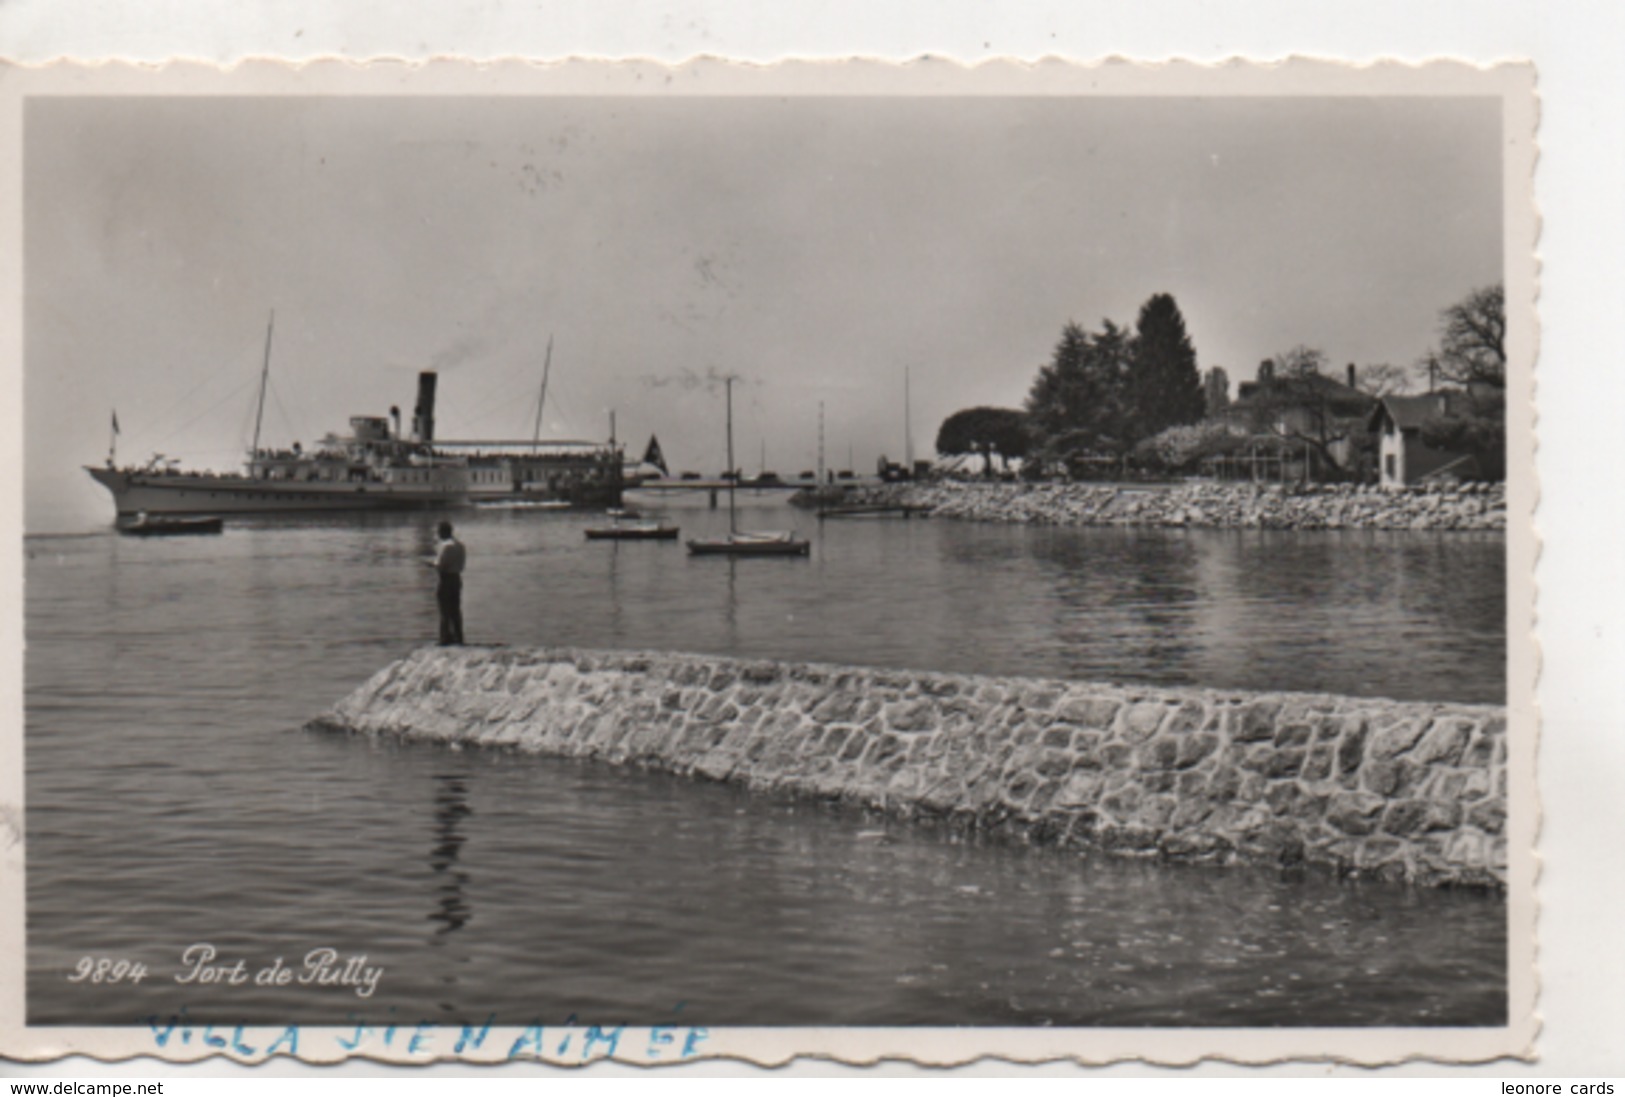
x=193 y=493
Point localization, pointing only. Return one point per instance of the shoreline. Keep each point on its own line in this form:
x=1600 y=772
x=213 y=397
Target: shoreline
x=1204 y=505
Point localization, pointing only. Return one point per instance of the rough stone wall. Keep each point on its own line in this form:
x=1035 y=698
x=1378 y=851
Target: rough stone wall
x=1209 y=505
x=1394 y=790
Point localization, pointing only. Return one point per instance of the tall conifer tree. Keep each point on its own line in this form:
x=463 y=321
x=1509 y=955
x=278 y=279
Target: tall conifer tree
x=1164 y=383
x=1080 y=392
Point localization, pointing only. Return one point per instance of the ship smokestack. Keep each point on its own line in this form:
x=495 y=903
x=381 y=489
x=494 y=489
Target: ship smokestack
x=423 y=413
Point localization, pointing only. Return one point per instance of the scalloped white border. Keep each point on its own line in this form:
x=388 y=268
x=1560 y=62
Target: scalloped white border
x=1513 y=83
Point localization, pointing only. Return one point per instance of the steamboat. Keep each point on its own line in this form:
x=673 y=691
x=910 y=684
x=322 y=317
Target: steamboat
x=376 y=466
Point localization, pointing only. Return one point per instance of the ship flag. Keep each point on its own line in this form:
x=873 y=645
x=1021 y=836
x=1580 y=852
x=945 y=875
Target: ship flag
x=653 y=456
x=115 y=423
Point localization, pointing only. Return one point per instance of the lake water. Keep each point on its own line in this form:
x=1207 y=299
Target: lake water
x=173 y=798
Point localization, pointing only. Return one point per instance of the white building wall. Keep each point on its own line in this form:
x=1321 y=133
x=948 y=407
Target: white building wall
x=1391 y=455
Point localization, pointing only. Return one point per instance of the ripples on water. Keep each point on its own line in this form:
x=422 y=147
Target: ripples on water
x=172 y=800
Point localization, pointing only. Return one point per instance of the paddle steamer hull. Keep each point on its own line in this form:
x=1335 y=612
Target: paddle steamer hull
x=198 y=493
x=377 y=467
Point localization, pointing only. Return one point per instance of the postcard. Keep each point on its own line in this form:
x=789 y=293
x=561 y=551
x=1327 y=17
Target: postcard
x=556 y=562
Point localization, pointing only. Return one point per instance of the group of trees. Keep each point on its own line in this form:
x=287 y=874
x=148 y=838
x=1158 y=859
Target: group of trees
x=1100 y=393
x=1137 y=394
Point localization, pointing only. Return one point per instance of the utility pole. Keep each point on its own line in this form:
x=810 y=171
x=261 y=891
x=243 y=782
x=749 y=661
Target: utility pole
x=908 y=427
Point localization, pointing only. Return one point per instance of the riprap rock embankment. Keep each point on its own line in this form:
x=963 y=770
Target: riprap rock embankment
x=1395 y=790
x=1207 y=505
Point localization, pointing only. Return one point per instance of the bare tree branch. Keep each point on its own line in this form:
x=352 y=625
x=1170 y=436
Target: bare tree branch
x=1382 y=379
x=1472 y=344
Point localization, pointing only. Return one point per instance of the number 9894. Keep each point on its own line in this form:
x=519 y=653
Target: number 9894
x=104 y=969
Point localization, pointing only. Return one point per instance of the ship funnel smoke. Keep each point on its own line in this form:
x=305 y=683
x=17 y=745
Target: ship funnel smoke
x=687 y=380
x=423 y=413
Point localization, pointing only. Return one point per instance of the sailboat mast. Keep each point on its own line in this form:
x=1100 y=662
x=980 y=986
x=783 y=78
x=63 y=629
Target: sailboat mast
x=547 y=364
x=820 y=443
x=728 y=389
x=265 y=375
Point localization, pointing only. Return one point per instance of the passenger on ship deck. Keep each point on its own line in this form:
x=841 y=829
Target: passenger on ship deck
x=449 y=560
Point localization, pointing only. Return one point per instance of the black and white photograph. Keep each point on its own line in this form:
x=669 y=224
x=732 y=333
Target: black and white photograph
x=653 y=563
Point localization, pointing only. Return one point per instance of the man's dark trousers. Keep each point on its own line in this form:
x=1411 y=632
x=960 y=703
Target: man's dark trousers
x=450 y=597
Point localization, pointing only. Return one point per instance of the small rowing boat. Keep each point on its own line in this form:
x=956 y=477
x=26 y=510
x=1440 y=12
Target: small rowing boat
x=145 y=525
x=633 y=531
x=523 y=504
x=746 y=543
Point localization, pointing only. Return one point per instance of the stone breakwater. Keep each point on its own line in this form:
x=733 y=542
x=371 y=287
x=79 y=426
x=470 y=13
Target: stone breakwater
x=1373 y=788
x=1209 y=505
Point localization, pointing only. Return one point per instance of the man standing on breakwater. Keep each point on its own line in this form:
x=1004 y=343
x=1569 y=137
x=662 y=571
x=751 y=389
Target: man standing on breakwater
x=448 y=561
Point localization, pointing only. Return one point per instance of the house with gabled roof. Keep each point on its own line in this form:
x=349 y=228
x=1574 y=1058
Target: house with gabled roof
x=1402 y=457
x=1308 y=406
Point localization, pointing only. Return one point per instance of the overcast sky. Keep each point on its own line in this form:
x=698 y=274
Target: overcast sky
x=816 y=248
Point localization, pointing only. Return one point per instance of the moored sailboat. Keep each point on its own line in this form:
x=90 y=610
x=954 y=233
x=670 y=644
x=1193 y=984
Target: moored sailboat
x=746 y=542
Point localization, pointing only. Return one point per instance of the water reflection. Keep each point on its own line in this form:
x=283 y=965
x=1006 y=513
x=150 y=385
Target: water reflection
x=1358 y=613
x=1409 y=615
x=730 y=601
x=1139 y=594
x=615 y=614
x=450 y=810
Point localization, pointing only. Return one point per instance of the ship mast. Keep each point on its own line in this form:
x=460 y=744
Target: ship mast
x=265 y=375
x=547 y=364
x=820 y=443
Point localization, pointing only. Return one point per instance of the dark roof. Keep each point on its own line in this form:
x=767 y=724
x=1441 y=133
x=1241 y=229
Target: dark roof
x=1410 y=412
x=1334 y=388
x=1304 y=390
x=1341 y=398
